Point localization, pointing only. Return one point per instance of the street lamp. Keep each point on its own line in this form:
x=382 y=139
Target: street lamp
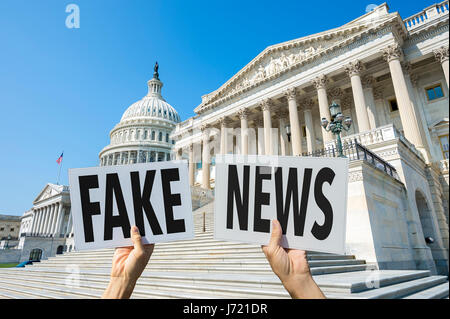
x=7 y=243
x=338 y=123
x=288 y=132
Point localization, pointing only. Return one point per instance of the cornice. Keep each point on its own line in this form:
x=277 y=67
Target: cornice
x=389 y=24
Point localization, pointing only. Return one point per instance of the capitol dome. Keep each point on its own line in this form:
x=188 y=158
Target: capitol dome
x=152 y=105
x=143 y=133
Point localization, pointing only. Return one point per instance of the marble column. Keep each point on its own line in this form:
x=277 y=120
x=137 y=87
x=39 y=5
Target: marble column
x=43 y=219
x=441 y=56
x=259 y=124
x=309 y=125
x=320 y=83
x=34 y=222
x=367 y=83
x=178 y=154
x=353 y=69
x=243 y=115
x=265 y=106
x=57 y=229
x=191 y=165
x=54 y=219
x=51 y=217
x=296 y=137
x=205 y=157
x=223 y=122
x=282 y=116
x=411 y=127
x=38 y=221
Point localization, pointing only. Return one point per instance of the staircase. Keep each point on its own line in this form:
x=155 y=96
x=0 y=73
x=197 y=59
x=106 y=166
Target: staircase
x=208 y=268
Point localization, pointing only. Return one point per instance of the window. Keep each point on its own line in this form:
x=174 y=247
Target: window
x=36 y=254
x=167 y=138
x=393 y=105
x=2 y=228
x=160 y=136
x=304 y=130
x=153 y=135
x=12 y=229
x=443 y=140
x=434 y=92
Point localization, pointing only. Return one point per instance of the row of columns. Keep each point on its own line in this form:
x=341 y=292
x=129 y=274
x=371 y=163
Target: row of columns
x=364 y=108
x=123 y=158
x=47 y=220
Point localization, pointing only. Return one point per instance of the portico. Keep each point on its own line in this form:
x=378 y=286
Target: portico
x=380 y=71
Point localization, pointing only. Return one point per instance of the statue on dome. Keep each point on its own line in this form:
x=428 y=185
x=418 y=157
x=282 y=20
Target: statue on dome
x=156 y=74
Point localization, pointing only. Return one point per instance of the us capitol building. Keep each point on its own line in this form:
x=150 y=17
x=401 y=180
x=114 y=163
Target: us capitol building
x=142 y=135
x=388 y=74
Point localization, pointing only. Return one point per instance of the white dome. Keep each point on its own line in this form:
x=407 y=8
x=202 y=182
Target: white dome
x=143 y=133
x=152 y=105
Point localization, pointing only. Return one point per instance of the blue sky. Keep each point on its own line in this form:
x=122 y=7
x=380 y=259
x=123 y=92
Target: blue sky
x=65 y=89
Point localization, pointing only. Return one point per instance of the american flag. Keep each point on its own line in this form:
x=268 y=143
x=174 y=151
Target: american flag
x=59 y=160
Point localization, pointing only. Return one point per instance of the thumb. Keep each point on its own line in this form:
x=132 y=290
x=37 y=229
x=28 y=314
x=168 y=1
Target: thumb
x=136 y=238
x=275 y=237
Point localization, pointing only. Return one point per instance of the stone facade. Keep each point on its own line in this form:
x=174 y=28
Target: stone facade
x=388 y=74
x=9 y=227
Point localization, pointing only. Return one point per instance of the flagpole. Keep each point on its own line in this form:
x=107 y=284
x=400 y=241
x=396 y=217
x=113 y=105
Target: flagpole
x=59 y=171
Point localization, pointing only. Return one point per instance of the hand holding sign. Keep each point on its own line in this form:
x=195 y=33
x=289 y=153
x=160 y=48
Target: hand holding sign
x=127 y=266
x=107 y=200
x=291 y=266
x=307 y=195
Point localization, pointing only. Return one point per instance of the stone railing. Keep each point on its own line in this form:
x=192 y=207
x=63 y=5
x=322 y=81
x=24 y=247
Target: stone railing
x=353 y=150
x=380 y=134
x=432 y=12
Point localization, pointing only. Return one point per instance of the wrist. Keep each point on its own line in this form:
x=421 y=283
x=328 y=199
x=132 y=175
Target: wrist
x=302 y=287
x=119 y=288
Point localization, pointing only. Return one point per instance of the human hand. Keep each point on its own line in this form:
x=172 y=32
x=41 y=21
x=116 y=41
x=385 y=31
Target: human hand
x=127 y=266
x=291 y=266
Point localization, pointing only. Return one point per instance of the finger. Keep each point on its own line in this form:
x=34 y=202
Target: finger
x=275 y=237
x=136 y=239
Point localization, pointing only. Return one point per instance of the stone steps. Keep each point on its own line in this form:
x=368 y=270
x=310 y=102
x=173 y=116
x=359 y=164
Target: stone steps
x=207 y=268
x=189 y=258
x=209 y=263
x=437 y=292
x=168 y=288
x=402 y=289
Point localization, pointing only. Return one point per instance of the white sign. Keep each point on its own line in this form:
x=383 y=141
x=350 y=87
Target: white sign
x=106 y=201
x=308 y=195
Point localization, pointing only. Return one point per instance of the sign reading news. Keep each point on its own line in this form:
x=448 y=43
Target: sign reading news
x=307 y=195
x=106 y=201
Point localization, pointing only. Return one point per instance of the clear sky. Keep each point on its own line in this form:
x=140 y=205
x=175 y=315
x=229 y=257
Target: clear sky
x=64 y=89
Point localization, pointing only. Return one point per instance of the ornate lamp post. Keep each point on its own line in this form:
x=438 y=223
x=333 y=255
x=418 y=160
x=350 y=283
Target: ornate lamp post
x=337 y=124
x=7 y=243
x=288 y=132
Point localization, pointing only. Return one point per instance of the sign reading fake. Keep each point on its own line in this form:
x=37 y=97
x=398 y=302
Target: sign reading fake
x=307 y=195
x=106 y=201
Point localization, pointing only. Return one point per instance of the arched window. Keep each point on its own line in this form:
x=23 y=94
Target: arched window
x=35 y=254
x=160 y=137
x=153 y=135
x=167 y=137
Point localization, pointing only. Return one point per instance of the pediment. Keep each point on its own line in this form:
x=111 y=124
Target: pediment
x=280 y=58
x=50 y=190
